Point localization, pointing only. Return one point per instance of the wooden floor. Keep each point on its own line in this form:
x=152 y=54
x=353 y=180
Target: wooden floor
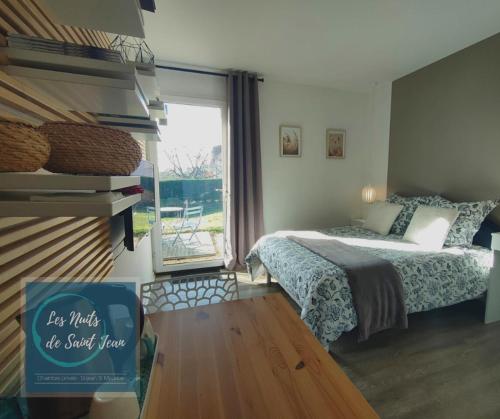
x=446 y=365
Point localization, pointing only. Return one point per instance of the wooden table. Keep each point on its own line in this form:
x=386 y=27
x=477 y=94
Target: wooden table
x=250 y=358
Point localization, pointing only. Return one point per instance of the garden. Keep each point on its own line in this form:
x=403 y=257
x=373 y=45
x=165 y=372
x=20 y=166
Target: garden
x=175 y=196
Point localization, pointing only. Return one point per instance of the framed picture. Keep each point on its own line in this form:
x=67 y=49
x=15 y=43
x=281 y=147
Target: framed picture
x=290 y=141
x=335 y=143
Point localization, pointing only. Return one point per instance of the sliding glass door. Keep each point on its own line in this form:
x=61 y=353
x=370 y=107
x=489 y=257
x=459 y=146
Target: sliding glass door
x=190 y=161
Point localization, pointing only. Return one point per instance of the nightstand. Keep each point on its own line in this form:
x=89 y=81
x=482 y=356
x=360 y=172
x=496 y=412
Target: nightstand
x=357 y=222
x=492 y=313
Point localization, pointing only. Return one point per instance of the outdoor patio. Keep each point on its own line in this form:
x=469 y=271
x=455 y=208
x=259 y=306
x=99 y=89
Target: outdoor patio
x=205 y=244
x=202 y=244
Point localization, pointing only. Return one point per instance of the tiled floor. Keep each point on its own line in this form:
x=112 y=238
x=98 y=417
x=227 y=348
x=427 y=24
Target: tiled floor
x=204 y=246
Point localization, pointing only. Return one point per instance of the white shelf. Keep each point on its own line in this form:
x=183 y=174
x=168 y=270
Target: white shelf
x=85 y=93
x=144 y=129
x=63 y=182
x=124 y=120
x=67 y=63
x=115 y=16
x=83 y=208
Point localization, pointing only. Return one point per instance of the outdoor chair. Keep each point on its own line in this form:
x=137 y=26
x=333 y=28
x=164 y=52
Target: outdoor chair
x=189 y=291
x=189 y=223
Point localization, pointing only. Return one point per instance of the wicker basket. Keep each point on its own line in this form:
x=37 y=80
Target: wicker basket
x=90 y=149
x=22 y=148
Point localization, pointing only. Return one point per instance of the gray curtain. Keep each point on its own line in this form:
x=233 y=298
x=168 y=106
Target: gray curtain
x=244 y=222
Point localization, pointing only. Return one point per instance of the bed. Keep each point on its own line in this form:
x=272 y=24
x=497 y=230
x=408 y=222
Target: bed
x=430 y=279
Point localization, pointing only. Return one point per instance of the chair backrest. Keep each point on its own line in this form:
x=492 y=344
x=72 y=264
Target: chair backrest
x=193 y=212
x=189 y=291
x=151 y=214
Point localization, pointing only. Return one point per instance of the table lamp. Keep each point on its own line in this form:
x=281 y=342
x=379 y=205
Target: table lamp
x=368 y=194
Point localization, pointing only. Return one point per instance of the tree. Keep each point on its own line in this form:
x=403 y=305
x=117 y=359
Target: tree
x=216 y=162
x=188 y=165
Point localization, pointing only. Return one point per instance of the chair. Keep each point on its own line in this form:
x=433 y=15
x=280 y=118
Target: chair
x=189 y=291
x=189 y=223
x=151 y=214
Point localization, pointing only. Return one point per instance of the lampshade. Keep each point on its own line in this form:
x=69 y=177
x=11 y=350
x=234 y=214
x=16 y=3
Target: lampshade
x=368 y=194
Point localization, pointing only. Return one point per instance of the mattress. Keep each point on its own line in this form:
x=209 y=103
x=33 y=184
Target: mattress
x=431 y=279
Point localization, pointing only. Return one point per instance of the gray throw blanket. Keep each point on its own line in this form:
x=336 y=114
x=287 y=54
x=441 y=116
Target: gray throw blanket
x=376 y=287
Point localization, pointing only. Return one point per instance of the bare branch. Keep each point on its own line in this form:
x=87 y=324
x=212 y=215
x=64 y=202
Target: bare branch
x=197 y=164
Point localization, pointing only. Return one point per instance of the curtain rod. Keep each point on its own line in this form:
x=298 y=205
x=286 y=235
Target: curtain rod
x=191 y=70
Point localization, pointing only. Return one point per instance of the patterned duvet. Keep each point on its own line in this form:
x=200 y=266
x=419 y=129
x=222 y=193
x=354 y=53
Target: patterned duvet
x=431 y=279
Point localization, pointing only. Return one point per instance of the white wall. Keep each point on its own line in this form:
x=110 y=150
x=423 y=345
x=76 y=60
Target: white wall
x=313 y=191
x=134 y=266
x=310 y=191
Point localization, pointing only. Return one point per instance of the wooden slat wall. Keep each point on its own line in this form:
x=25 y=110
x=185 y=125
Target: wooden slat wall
x=28 y=17
x=20 y=101
x=51 y=249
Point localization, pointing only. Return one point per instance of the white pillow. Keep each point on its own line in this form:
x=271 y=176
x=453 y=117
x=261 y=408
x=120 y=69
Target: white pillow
x=381 y=216
x=429 y=226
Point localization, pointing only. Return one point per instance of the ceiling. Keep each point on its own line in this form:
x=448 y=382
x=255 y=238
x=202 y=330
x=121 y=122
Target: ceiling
x=347 y=44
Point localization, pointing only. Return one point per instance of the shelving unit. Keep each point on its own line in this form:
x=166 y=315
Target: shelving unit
x=83 y=84
x=115 y=16
x=78 y=246
x=67 y=63
x=85 y=93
